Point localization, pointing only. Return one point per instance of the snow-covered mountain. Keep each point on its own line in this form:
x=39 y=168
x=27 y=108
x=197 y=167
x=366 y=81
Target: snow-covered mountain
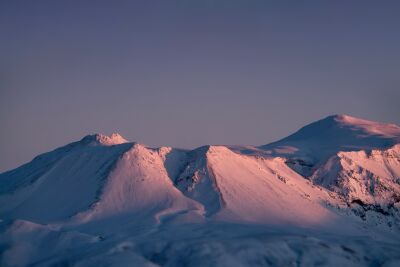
x=357 y=158
x=106 y=200
x=313 y=144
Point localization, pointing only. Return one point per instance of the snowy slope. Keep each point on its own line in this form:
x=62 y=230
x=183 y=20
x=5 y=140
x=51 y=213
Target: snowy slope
x=244 y=188
x=140 y=186
x=61 y=183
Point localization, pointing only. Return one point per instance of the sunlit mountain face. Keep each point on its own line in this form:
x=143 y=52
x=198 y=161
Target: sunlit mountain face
x=328 y=194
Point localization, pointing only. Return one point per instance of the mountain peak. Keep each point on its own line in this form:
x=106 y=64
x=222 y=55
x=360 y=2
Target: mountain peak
x=339 y=116
x=102 y=139
x=321 y=139
x=343 y=118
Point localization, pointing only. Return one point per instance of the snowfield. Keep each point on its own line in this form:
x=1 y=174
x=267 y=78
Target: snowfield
x=327 y=195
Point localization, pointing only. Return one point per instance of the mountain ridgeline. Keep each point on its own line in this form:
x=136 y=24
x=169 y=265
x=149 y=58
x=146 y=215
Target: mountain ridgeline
x=339 y=160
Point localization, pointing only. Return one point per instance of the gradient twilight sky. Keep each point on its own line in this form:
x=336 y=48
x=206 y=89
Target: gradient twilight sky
x=189 y=73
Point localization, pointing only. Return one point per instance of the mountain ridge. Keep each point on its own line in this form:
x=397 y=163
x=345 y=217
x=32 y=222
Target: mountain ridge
x=107 y=188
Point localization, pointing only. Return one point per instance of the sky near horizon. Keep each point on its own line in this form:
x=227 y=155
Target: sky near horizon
x=190 y=73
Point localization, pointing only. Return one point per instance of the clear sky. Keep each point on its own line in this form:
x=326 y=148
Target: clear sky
x=189 y=73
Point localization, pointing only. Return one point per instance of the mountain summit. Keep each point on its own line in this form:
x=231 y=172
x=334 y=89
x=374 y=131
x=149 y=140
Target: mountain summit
x=340 y=132
x=318 y=141
x=113 y=139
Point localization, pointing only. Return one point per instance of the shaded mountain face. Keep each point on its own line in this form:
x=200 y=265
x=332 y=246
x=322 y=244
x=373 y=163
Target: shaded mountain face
x=338 y=174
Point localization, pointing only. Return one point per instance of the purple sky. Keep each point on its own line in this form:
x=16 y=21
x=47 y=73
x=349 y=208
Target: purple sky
x=189 y=73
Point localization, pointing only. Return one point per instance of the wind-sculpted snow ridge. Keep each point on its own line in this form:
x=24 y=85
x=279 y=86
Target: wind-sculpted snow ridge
x=327 y=195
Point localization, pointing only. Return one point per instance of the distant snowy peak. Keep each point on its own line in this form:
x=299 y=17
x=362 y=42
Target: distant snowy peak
x=101 y=139
x=339 y=129
x=323 y=138
x=310 y=147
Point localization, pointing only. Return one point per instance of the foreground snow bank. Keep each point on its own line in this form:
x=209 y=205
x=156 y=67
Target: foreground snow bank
x=221 y=244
